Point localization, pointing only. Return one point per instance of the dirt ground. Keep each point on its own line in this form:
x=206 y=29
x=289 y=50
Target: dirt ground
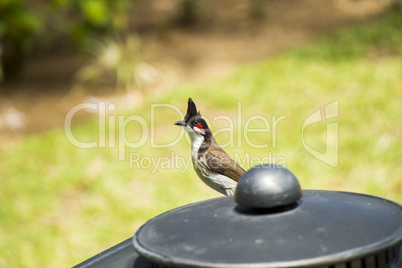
x=224 y=36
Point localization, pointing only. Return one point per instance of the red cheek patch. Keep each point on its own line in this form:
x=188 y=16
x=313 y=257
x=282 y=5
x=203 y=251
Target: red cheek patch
x=199 y=126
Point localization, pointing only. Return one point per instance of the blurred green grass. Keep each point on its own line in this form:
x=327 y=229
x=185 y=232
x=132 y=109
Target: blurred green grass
x=61 y=204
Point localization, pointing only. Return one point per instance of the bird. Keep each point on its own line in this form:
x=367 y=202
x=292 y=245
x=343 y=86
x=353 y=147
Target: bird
x=211 y=163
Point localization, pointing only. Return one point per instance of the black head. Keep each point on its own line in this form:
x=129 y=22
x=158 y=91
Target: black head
x=193 y=120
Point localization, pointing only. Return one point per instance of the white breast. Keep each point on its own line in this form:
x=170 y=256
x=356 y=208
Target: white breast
x=196 y=141
x=216 y=181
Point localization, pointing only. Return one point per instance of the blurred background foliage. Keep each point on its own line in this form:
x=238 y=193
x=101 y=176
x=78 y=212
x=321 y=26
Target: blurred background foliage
x=27 y=24
x=45 y=25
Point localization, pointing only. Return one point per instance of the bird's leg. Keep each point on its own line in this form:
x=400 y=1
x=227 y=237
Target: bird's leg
x=229 y=191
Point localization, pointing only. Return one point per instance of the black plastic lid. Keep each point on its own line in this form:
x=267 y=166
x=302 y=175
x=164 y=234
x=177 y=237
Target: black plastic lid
x=322 y=228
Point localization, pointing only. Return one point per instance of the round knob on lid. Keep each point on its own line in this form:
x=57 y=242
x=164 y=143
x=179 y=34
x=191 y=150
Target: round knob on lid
x=267 y=186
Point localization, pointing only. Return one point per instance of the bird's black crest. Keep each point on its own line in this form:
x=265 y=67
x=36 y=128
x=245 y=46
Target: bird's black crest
x=191 y=111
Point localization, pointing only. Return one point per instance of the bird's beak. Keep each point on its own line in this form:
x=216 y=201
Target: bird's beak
x=180 y=123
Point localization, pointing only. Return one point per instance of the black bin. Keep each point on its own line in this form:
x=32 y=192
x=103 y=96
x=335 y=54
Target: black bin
x=270 y=222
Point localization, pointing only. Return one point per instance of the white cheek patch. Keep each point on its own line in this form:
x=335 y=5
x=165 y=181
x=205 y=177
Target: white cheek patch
x=201 y=131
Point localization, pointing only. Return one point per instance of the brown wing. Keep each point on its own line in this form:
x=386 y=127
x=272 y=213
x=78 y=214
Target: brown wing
x=219 y=161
